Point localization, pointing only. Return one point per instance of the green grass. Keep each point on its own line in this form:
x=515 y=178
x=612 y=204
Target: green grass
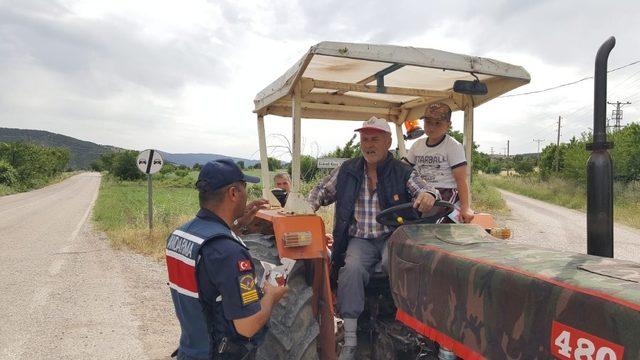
x=572 y=195
x=554 y=190
x=6 y=190
x=121 y=211
x=486 y=198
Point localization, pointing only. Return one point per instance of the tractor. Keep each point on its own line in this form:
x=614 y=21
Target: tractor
x=450 y=286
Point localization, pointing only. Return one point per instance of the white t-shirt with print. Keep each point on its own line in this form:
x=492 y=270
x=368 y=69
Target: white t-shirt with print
x=436 y=162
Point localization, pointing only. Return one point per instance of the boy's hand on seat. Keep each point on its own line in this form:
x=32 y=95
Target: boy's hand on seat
x=466 y=215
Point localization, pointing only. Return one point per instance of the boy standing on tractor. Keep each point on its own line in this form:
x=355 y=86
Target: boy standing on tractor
x=441 y=161
x=362 y=188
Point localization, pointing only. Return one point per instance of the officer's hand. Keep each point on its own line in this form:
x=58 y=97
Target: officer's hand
x=424 y=201
x=329 y=239
x=275 y=292
x=250 y=211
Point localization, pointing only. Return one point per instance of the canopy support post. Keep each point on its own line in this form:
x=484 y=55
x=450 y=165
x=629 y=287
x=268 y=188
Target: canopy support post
x=468 y=135
x=296 y=115
x=402 y=147
x=264 y=163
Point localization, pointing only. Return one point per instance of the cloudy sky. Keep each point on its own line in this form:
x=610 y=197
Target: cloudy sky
x=181 y=76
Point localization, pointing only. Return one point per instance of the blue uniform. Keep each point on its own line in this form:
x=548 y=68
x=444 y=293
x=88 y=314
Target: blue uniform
x=224 y=285
x=227 y=283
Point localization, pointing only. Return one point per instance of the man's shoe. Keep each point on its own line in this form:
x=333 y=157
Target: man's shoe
x=348 y=353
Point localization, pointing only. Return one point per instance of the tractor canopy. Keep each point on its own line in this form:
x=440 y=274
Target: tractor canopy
x=350 y=81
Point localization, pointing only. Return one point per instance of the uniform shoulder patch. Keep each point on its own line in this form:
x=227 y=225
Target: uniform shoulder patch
x=248 y=291
x=244 y=265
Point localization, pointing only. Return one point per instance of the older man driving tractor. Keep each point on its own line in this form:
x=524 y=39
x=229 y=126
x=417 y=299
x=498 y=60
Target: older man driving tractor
x=361 y=188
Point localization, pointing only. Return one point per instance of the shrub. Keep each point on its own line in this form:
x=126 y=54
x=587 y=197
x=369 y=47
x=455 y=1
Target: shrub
x=308 y=168
x=167 y=168
x=8 y=175
x=34 y=165
x=182 y=172
x=124 y=166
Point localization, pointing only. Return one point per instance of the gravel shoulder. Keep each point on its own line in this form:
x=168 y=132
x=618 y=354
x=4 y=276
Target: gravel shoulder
x=542 y=224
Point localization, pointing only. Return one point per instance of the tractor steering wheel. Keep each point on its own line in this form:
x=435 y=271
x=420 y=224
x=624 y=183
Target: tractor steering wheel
x=406 y=214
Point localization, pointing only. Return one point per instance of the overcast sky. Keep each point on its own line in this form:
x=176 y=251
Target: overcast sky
x=181 y=76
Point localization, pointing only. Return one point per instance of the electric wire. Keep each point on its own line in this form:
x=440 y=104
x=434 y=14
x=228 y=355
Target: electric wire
x=569 y=83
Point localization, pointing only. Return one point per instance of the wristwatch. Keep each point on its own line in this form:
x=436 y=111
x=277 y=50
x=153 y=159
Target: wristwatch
x=242 y=230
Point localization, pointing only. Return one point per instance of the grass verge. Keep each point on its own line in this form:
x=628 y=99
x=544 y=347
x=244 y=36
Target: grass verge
x=626 y=203
x=121 y=212
x=486 y=198
x=6 y=190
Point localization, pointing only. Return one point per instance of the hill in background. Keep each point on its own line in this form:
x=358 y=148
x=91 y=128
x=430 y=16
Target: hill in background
x=192 y=159
x=83 y=153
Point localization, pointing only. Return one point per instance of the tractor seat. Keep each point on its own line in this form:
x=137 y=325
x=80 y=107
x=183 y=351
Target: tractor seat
x=378 y=273
x=378 y=280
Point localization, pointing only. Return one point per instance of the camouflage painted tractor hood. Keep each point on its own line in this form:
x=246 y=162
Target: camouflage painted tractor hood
x=497 y=299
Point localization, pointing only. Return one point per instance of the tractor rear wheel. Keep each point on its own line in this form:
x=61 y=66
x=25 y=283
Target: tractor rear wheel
x=293 y=330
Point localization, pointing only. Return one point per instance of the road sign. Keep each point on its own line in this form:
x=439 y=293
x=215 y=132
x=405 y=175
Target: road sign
x=330 y=163
x=149 y=161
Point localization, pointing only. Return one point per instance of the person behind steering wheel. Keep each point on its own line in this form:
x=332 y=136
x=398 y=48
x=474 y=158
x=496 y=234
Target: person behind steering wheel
x=441 y=161
x=361 y=188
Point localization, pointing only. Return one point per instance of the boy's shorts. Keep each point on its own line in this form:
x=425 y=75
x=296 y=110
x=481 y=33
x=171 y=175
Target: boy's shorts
x=450 y=196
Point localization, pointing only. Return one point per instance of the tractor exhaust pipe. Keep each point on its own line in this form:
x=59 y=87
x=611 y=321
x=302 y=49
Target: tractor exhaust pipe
x=599 y=165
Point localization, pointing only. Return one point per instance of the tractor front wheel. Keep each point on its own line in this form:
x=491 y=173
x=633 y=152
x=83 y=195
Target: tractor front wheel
x=293 y=330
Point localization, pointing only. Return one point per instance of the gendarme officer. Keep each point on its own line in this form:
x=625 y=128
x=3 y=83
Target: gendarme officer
x=211 y=271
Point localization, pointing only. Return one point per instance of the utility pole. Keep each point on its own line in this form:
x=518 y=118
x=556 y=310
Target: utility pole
x=558 y=145
x=538 y=141
x=616 y=114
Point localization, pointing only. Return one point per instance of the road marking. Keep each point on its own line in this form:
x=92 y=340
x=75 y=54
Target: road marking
x=42 y=294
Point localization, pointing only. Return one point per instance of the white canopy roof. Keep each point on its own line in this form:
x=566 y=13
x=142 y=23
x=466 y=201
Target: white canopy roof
x=340 y=81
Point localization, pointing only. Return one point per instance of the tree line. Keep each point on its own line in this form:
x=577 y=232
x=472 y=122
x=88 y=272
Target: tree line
x=25 y=166
x=568 y=160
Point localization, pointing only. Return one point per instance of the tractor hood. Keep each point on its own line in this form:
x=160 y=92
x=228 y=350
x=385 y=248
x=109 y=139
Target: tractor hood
x=496 y=299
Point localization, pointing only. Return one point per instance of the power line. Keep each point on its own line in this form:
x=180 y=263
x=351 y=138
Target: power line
x=538 y=141
x=569 y=83
x=616 y=114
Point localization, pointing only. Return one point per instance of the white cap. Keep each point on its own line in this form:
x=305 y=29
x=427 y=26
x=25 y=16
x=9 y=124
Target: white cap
x=375 y=123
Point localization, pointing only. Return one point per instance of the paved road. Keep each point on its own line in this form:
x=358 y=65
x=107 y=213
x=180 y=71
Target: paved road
x=542 y=224
x=65 y=293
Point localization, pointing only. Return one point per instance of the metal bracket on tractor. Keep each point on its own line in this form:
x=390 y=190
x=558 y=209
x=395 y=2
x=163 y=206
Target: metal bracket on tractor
x=302 y=237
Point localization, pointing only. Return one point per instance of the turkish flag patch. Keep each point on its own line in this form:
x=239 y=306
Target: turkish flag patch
x=244 y=265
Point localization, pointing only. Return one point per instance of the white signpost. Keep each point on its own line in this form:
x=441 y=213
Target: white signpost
x=330 y=163
x=150 y=162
